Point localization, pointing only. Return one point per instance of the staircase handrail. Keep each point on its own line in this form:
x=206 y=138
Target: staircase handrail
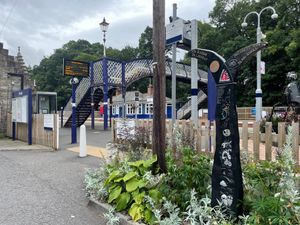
x=186 y=108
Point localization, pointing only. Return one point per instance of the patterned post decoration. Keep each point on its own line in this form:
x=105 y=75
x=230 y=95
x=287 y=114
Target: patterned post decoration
x=227 y=182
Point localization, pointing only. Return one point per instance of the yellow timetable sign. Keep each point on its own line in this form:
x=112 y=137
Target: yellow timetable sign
x=76 y=68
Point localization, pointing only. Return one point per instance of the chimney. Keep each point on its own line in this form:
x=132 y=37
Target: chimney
x=118 y=91
x=150 y=90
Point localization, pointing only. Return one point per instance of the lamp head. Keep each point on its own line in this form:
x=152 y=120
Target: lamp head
x=263 y=36
x=104 y=25
x=244 y=24
x=74 y=80
x=274 y=16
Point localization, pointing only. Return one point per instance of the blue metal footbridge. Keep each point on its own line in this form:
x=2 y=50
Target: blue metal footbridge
x=107 y=75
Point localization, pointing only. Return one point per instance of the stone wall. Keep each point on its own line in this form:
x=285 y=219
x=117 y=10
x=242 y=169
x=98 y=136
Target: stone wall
x=10 y=64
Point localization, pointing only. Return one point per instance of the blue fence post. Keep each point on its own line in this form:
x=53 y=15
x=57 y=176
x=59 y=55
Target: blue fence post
x=14 y=131
x=74 y=131
x=92 y=95
x=123 y=88
x=29 y=116
x=105 y=89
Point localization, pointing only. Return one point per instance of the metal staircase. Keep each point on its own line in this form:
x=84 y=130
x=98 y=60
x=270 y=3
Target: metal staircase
x=185 y=111
x=134 y=70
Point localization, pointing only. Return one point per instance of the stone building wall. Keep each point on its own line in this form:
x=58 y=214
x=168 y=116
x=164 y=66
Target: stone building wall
x=10 y=64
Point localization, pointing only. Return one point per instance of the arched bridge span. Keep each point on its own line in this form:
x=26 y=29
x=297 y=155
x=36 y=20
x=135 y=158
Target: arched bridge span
x=107 y=74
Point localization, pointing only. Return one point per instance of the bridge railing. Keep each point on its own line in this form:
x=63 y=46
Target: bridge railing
x=134 y=70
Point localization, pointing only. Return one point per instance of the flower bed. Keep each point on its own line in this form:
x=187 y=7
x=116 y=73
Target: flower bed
x=182 y=196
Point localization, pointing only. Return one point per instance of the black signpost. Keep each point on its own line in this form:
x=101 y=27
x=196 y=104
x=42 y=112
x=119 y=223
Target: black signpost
x=75 y=68
x=227 y=182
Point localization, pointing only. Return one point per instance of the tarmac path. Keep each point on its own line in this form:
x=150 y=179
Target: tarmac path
x=45 y=187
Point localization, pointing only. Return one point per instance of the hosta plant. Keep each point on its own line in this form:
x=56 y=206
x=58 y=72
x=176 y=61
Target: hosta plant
x=128 y=185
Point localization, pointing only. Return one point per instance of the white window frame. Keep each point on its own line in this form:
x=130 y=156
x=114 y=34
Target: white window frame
x=130 y=109
x=140 y=108
x=149 y=108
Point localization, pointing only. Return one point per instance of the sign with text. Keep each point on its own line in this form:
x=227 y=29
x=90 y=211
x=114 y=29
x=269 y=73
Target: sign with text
x=20 y=109
x=174 y=31
x=49 y=121
x=76 y=68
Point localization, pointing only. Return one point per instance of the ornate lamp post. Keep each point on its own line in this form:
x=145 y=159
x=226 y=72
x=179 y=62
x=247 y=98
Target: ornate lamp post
x=259 y=35
x=104 y=27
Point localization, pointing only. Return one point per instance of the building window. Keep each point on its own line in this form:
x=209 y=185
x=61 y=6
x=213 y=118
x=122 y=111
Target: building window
x=114 y=109
x=130 y=109
x=149 y=108
x=117 y=109
x=140 y=109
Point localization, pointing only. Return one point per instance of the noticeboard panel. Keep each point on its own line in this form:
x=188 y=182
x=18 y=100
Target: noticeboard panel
x=76 y=68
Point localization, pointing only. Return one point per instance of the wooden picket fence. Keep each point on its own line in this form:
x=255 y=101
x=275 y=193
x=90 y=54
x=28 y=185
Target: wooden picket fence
x=260 y=146
x=40 y=135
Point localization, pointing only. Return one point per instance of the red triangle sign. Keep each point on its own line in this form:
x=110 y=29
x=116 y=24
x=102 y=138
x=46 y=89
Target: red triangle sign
x=224 y=76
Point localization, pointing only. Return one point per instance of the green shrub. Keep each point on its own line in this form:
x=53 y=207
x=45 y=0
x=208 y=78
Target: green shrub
x=94 y=183
x=271 y=193
x=129 y=183
x=193 y=172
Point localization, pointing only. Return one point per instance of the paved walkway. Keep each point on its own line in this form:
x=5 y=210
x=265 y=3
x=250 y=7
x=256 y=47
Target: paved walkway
x=9 y=145
x=42 y=186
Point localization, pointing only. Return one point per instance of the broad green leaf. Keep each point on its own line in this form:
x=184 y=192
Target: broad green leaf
x=149 y=217
x=112 y=187
x=114 y=194
x=136 y=211
x=142 y=183
x=136 y=163
x=118 y=180
x=149 y=162
x=155 y=195
x=135 y=193
x=129 y=175
x=139 y=198
x=132 y=184
x=112 y=176
x=122 y=201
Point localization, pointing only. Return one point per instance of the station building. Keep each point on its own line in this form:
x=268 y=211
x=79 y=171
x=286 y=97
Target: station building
x=137 y=105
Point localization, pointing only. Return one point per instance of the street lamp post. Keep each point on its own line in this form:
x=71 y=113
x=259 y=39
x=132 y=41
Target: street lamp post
x=104 y=27
x=259 y=35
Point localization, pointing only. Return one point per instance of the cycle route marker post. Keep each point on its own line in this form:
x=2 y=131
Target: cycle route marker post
x=227 y=182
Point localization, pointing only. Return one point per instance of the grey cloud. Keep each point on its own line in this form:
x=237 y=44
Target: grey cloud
x=38 y=25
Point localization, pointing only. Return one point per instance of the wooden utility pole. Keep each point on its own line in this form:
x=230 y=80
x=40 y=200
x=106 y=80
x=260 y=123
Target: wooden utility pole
x=159 y=83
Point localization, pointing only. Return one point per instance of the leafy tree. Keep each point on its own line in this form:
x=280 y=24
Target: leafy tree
x=145 y=43
x=282 y=37
x=48 y=74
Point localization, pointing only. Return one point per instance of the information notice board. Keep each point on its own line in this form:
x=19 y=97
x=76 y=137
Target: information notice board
x=20 y=109
x=76 y=68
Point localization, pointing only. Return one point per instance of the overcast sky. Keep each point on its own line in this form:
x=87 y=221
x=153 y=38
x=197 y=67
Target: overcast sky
x=40 y=26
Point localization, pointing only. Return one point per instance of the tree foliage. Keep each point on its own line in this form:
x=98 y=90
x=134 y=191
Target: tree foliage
x=282 y=35
x=222 y=34
x=48 y=74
